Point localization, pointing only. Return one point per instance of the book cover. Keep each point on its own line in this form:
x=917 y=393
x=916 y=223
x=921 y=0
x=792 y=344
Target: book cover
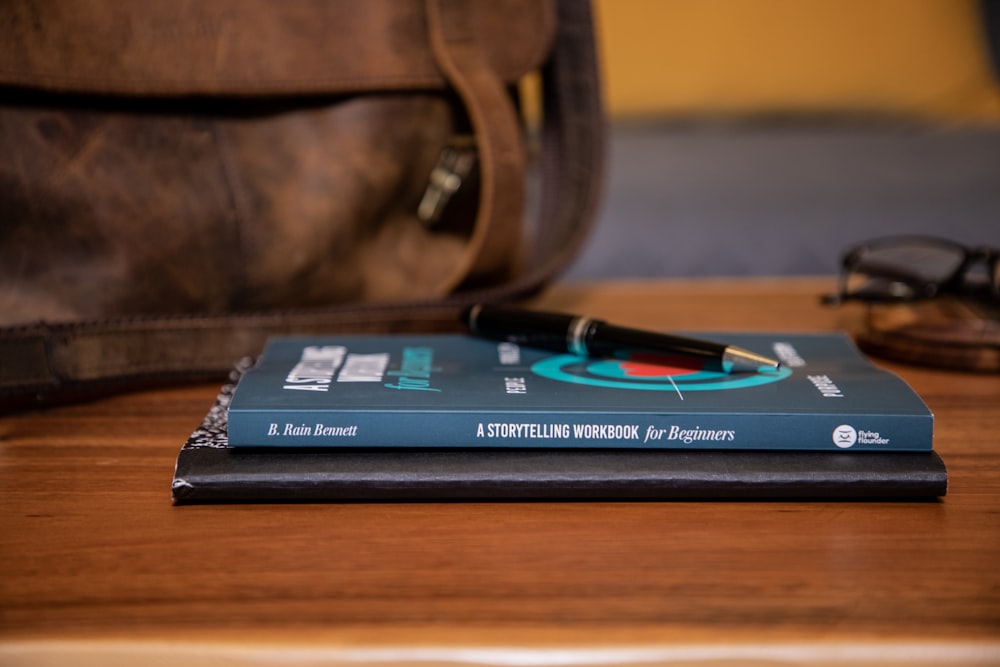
x=458 y=391
x=209 y=470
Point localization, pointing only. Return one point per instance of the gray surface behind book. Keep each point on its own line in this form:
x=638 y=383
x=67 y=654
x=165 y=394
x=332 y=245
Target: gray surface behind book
x=784 y=197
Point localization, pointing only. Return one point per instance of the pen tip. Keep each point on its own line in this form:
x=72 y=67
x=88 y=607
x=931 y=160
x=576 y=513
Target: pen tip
x=738 y=360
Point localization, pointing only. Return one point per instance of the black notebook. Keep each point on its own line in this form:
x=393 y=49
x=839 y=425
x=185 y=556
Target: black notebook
x=209 y=470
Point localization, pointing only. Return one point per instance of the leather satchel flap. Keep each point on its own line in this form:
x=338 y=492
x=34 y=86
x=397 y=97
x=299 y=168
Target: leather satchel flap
x=252 y=47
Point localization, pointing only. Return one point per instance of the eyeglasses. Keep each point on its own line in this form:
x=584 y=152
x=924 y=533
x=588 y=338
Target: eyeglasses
x=912 y=268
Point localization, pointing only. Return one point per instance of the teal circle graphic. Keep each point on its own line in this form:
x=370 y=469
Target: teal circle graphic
x=610 y=373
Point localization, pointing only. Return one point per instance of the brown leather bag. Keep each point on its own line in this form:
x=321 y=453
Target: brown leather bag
x=181 y=180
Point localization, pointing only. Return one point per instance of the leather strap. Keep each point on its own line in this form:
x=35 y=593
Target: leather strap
x=42 y=364
x=572 y=144
x=50 y=363
x=495 y=237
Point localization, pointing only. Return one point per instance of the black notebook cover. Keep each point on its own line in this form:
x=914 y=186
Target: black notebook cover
x=209 y=470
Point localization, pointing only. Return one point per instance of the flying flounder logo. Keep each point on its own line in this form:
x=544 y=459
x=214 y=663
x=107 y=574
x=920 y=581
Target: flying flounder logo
x=650 y=373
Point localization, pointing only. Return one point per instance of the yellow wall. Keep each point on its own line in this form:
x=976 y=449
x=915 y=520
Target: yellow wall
x=917 y=57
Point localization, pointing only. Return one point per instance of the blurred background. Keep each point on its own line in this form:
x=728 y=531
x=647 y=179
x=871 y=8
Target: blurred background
x=761 y=137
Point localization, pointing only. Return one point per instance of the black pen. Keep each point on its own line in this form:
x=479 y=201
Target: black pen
x=588 y=337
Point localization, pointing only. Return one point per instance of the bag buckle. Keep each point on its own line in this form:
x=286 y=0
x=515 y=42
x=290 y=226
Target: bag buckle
x=453 y=167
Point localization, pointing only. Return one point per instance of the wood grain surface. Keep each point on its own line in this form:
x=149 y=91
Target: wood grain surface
x=93 y=554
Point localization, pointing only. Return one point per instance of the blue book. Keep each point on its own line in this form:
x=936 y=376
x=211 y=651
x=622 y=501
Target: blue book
x=457 y=391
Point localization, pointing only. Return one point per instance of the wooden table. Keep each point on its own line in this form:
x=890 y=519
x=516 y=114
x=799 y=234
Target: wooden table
x=97 y=566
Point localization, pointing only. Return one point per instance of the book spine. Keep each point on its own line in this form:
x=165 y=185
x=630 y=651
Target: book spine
x=430 y=429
